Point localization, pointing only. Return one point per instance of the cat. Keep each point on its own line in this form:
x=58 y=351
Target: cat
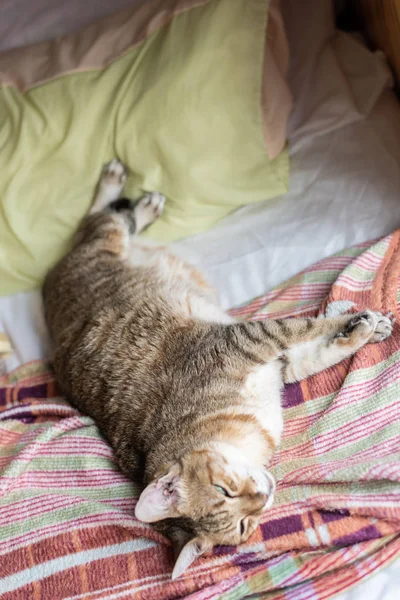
x=188 y=397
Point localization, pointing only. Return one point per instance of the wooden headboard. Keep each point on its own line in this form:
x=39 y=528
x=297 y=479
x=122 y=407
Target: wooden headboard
x=380 y=20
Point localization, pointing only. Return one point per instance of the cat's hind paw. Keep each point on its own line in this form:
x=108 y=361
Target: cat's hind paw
x=113 y=178
x=148 y=209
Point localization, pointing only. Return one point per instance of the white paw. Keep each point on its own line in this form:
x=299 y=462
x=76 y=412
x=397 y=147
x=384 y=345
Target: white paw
x=113 y=179
x=383 y=329
x=148 y=209
x=364 y=322
x=154 y=201
x=377 y=327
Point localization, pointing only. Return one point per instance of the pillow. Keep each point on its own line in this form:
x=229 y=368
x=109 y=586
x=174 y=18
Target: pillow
x=175 y=88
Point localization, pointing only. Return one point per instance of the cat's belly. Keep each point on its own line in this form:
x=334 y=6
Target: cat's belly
x=262 y=394
x=183 y=285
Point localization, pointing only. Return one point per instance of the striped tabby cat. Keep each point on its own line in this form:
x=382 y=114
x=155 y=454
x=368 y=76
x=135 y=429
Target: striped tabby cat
x=189 y=398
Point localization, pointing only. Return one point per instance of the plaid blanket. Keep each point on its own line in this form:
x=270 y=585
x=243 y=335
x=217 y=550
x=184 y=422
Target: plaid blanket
x=67 y=525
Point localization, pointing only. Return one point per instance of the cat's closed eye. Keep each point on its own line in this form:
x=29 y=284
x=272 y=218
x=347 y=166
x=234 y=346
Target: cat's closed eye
x=221 y=490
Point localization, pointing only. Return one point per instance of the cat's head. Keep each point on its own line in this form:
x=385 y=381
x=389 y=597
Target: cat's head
x=205 y=500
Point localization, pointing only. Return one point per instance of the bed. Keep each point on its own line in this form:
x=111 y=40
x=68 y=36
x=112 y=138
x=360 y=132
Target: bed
x=344 y=180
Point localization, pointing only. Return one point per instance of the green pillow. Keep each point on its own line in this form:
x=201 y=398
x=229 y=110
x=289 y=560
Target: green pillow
x=172 y=88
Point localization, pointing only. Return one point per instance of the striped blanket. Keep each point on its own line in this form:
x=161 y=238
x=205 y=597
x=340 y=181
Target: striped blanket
x=67 y=525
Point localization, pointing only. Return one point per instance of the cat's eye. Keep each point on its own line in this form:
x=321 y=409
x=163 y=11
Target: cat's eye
x=221 y=490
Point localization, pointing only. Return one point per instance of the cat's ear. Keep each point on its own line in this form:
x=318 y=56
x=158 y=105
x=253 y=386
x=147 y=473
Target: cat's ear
x=159 y=499
x=189 y=553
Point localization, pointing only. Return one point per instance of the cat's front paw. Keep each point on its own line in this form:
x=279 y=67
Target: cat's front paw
x=383 y=329
x=365 y=321
x=371 y=326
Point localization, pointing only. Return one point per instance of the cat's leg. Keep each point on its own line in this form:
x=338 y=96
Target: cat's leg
x=114 y=221
x=307 y=346
x=110 y=185
x=200 y=298
x=307 y=358
x=146 y=210
x=139 y=213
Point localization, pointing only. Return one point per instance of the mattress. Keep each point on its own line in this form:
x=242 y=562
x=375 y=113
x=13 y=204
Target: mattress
x=344 y=181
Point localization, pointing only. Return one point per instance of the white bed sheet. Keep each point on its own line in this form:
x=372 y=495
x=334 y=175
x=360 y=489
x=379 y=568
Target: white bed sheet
x=344 y=182
x=24 y=22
